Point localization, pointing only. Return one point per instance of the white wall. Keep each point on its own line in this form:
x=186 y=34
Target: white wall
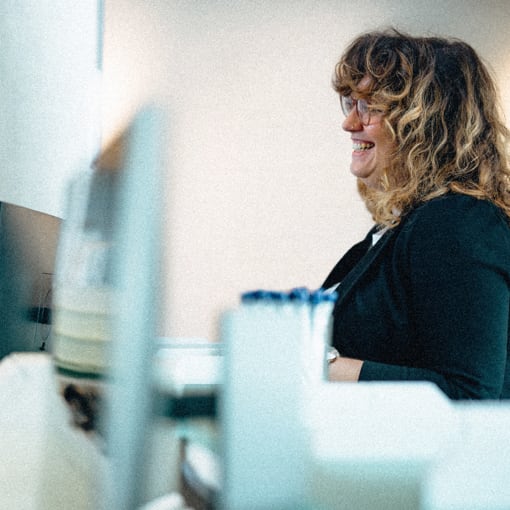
x=259 y=191
x=49 y=125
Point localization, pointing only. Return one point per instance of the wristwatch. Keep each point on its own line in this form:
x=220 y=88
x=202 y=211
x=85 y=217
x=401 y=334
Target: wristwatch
x=332 y=354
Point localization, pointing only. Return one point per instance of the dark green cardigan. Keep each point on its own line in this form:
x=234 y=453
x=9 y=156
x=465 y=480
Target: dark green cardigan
x=430 y=301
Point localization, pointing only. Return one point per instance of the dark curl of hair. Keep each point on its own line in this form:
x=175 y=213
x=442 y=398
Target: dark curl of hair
x=440 y=104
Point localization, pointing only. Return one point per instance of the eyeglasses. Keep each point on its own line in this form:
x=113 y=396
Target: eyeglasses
x=362 y=109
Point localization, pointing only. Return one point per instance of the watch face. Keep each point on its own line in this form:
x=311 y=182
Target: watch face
x=332 y=354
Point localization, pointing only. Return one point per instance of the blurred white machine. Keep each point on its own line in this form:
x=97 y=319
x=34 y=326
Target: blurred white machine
x=49 y=130
x=372 y=446
x=135 y=309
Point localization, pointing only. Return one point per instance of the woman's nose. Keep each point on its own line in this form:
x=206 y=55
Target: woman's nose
x=352 y=122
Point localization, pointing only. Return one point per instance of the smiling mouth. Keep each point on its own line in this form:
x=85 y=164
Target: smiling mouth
x=362 y=146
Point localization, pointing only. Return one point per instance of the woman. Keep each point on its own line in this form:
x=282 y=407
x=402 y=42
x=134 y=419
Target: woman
x=426 y=295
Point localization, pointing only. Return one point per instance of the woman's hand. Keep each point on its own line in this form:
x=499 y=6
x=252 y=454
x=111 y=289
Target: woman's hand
x=344 y=369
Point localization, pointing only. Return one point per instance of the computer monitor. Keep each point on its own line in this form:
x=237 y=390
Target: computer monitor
x=28 y=243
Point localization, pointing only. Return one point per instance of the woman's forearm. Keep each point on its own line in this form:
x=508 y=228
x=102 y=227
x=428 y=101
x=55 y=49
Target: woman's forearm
x=345 y=369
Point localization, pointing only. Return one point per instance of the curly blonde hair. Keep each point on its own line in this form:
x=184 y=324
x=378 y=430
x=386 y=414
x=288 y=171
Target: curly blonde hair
x=440 y=104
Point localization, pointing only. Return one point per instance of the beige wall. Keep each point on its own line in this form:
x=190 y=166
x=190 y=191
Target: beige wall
x=258 y=190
